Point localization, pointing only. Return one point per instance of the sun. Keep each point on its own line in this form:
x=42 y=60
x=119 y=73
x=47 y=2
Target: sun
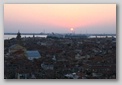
x=71 y=29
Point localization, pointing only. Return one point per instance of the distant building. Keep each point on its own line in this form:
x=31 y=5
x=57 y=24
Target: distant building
x=47 y=66
x=18 y=38
x=72 y=75
x=21 y=76
x=78 y=56
x=33 y=55
x=25 y=76
x=18 y=35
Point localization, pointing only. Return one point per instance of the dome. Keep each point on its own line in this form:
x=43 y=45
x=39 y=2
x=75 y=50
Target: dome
x=15 y=48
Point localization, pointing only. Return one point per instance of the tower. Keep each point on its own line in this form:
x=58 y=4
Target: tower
x=18 y=38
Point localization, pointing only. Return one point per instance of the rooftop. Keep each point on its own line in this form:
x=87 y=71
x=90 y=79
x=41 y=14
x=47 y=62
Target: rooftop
x=34 y=53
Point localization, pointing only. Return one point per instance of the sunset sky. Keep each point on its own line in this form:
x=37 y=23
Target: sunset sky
x=60 y=18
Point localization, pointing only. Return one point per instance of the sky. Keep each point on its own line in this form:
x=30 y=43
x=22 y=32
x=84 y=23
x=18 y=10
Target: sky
x=60 y=18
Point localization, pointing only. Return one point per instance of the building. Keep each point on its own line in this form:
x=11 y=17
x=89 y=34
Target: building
x=47 y=66
x=15 y=48
x=18 y=38
x=33 y=54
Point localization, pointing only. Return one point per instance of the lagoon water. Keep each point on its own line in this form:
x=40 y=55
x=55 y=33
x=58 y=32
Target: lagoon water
x=101 y=36
x=14 y=36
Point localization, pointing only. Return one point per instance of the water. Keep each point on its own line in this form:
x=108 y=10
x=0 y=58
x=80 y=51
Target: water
x=14 y=36
x=101 y=36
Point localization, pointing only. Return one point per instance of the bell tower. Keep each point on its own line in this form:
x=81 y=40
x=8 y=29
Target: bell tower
x=18 y=38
